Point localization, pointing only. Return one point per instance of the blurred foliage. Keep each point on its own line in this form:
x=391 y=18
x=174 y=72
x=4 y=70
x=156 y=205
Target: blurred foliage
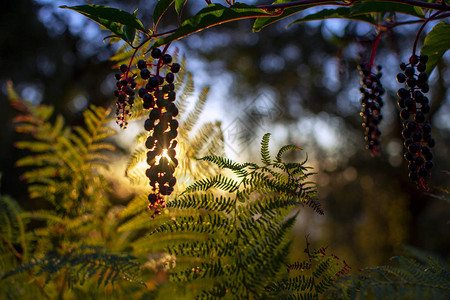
x=372 y=208
x=309 y=73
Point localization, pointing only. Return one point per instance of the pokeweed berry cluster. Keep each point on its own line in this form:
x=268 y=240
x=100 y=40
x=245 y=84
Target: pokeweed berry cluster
x=371 y=101
x=414 y=106
x=158 y=97
x=125 y=95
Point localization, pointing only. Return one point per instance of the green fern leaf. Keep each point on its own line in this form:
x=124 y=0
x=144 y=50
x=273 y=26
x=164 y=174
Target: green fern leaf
x=265 y=155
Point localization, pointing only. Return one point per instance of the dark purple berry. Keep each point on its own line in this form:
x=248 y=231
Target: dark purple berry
x=403 y=93
x=172 y=181
x=175 y=68
x=171 y=96
x=429 y=165
x=421 y=67
x=123 y=68
x=167 y=58
x=425 y=88
x=423 y=59
x=426 y=128
x=401 y=77
x=425 y=151
x=156 y=53
x=155 y=114
x=152 y=198
x=141 y=64
x=118 y=76
x=425 y=108
x=409 y=156
x=411 y=82
x=145 y=74
x=403 y=66
x=423 y=77
x=431 y=142
x=170 y=77
x=413 y=148
x=142 y=92
x=153 y=82
x=409 y=72
x=419 y=117
x=409 y=102
x=148 y=125
x=404 y=114
x=161 y=102
x=150 y=142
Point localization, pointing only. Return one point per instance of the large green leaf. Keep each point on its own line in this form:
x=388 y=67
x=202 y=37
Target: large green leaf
x=335 y=13
x=159 y=11
x=112 y=18
x=361 y=12
x=213 y=15
x=436 y=43
x=355 y=12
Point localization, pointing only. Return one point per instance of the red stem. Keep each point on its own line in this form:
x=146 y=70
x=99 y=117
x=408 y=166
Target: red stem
x=421 y=29
x=374 y=50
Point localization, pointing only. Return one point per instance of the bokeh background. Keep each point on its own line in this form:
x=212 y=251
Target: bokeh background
x=300 y=83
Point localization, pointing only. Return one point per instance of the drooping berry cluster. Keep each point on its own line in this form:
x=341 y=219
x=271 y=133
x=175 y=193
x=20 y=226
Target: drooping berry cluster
x=371 y=101
x=125 y=95
x=158 y=97
x=414 y=106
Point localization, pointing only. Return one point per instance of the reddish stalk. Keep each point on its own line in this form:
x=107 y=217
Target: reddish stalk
x=374 y=50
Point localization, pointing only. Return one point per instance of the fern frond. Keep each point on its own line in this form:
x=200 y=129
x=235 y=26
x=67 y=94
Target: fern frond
x=218 y=181
x=192 y=118
x=12 y=226
x=203 y=201
x=406 y=279
x=135 y=174
x=285 y=149
x=63 y=159
x=265 y=155
x=211 y=223
x=82 y=264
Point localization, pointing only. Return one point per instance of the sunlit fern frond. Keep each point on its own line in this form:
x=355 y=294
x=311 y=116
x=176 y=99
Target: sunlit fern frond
x=136 y=166
x=191 y=119
x=64 y=162
x=249 y=217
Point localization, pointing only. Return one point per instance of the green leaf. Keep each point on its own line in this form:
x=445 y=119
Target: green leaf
x=436 y=43
x=265 y=155
x=111 y=18
x=130 y=33
x=179 y=5
x=342 y=12
x=359 y=11
x=213 y=15
x=159 y=11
